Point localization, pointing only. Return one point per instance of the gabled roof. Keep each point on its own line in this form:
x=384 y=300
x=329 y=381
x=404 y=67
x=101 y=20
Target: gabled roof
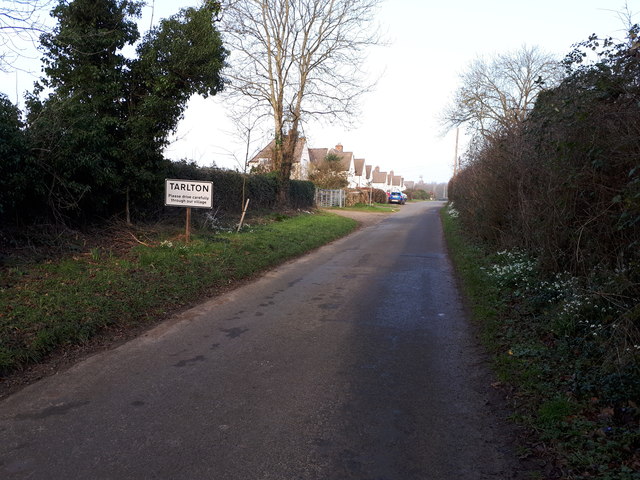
x=345 y=157
x=267 y=152
x=358 y=164
x=316 y=155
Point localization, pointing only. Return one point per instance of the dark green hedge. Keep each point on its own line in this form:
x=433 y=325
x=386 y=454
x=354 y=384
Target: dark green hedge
x=302 y=194
x=228 y=187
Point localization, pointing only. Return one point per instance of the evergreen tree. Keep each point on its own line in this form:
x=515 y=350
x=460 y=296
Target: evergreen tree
x=18 y=179
x=78 y=128
x=100 y=132
x=182 y=57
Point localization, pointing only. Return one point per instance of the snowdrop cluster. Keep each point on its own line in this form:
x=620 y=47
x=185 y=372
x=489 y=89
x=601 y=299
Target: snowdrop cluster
x=170 y=244
x=453 y=213
x=513 y=270
x=214 y=223
x=572 y=303
x=562 y=287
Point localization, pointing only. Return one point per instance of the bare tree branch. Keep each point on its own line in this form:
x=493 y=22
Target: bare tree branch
x=296 y=60
x=497 y=94
x=20 y=21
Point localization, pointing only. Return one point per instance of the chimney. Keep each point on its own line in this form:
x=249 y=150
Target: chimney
x=339 y=147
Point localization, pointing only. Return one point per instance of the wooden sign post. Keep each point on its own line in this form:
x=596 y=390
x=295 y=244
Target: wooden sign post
x=187 y=233
x=189 y=194
x=244 y=212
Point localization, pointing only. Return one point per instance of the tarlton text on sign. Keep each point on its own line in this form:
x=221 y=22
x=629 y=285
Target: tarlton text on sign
x=188 y=193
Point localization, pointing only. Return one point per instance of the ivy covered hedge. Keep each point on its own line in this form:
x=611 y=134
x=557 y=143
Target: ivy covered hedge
x=230 y=187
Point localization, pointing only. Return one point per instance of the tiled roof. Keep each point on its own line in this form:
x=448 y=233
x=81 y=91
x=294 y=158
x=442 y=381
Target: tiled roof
x=378 y=177
x=316 y=155
x=267 y=152
x=345 y=157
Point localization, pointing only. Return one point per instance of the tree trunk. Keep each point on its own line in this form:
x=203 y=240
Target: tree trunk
x=127 y=209
x=286 y=153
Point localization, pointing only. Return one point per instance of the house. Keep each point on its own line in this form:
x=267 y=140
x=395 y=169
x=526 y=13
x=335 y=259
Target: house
x=317 y=155
x=347 y=161
x=356 y=170
x=379 y=179
x=394 y=183
x=397 y=183
x=301 y=159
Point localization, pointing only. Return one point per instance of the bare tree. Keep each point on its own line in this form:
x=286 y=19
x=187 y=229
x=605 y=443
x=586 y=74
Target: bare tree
x=496 y=95
x=298 y=59
x=20 y=21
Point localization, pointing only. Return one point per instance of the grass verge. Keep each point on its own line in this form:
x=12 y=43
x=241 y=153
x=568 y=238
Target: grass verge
x=375 y=208
x=580 y=408
x=45 y=307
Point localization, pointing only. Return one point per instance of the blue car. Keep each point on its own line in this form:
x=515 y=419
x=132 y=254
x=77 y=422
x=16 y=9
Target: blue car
x=396 y=197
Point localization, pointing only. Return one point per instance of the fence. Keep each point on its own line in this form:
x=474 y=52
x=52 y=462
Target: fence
x=330 y=198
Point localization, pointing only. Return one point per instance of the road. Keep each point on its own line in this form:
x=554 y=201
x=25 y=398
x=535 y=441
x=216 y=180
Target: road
x=354 y=362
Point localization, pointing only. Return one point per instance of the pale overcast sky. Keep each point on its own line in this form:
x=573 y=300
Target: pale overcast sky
x=431 y=43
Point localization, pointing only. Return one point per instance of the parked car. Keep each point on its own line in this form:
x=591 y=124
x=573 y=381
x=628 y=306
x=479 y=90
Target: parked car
x=396 y=197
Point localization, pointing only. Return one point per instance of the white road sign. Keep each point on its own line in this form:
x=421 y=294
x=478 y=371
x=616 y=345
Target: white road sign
x=188 y=193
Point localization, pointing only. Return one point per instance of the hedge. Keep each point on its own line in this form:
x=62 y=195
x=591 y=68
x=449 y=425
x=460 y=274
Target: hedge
x=228 y=187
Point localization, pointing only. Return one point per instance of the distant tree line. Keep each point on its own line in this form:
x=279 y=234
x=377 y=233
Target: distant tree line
x=419 y=194
x=431 y=190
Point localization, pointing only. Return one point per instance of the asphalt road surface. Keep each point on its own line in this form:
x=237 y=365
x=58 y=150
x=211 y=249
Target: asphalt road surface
x=354 y=362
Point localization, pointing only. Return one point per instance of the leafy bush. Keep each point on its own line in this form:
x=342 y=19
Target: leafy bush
x=417 y=194
x=329 y=173
x=302 y=194
x=19 y=180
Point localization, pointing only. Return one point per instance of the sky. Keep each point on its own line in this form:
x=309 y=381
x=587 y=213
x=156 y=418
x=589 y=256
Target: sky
x=429 y=44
